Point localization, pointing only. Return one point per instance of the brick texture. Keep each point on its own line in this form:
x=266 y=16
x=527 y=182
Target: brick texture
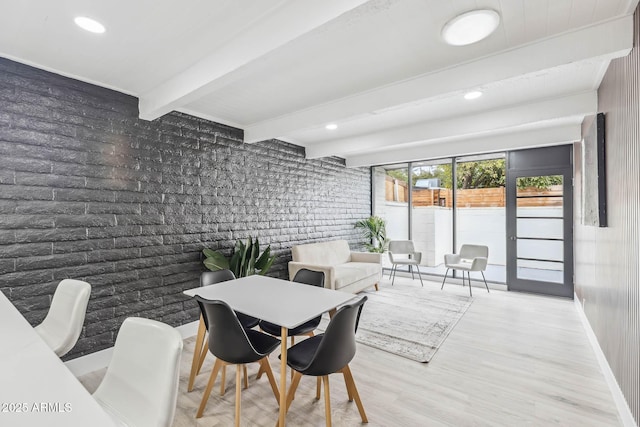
x=89 y=191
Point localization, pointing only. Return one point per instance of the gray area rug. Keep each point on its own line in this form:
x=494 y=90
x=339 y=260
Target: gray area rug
x=409 y=321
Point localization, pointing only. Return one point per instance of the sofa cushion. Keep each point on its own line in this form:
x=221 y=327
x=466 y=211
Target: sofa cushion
x=353 y=271
x=325 y=253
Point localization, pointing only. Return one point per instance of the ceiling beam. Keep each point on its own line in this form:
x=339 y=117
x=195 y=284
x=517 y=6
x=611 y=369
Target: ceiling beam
x=606 y=40
x=461 y=126
x=285 y=22
x=560 y=134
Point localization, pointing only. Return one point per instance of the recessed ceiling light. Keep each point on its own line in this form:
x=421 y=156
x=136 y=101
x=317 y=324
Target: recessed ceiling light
x=89 y=24
x=470 y=27
x=473 y=94
x=331 y=126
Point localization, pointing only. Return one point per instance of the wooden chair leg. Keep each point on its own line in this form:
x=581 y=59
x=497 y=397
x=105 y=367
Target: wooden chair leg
x=223 y=380
x=196 y=353
x=207 y=391
x=246 y=381
x=318 y=385
x=346 y=383
x=292 y=390
x=327 y=400
x=266 y=367
x=354 y=392
x=203 y=354
x=260 y=372
x=292 y=344
x=238 y=393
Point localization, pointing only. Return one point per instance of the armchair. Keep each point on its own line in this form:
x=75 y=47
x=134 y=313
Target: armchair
x=470 y=258
x=402 y=252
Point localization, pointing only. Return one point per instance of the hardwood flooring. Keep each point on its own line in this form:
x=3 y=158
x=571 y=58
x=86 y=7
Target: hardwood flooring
x=512 y=360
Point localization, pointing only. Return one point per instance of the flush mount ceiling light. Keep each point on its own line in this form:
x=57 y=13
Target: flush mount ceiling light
x=331 y=126
x=473 y=94
x=89 y=24
x=470 y=27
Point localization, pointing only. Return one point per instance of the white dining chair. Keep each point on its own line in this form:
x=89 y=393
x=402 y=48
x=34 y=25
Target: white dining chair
x=140 y=387
x=62 y=326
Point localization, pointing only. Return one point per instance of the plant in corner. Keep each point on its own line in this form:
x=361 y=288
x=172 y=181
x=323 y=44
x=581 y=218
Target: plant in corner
x=246 y=259
x=375 y=232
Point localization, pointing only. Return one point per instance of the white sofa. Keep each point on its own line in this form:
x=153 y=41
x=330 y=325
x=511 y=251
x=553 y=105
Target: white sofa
x=343 y=269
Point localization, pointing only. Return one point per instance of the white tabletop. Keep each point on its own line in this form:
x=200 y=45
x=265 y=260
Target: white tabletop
x=36 y=388
x=278 y=301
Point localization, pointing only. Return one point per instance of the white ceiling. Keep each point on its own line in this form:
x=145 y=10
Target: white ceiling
x=378 y=68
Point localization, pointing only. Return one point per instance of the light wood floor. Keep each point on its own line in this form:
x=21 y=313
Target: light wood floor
x=512 y=360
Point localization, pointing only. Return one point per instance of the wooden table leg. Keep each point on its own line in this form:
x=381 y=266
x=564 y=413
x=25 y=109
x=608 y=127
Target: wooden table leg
x=283 y=376
x=195 y=363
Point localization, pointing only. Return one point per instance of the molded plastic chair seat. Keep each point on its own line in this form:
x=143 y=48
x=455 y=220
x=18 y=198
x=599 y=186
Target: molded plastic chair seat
x=305 y=328
x=300 y=355
x=62 y=326
x=140 y=387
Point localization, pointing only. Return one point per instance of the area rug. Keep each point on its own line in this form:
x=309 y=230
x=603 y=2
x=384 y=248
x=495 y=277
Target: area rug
x=409 y=321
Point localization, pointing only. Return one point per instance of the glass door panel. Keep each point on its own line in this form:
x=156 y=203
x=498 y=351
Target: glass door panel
x=539 y=228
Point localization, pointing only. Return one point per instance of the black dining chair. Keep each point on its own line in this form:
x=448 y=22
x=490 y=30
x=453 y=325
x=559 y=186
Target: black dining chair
x=200 y=352
x=232 y=344
x=329 y=353
x=307 y=277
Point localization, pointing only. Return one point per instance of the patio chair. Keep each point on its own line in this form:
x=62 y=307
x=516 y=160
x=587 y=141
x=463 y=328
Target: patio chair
x=402 y=252
x=470 y=258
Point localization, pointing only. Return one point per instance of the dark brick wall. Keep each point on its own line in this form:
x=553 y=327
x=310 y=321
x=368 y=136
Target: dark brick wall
x=89 y=191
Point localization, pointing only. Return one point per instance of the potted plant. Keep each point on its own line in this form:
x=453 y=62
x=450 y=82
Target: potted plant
x=375 y=232
x=246 y=259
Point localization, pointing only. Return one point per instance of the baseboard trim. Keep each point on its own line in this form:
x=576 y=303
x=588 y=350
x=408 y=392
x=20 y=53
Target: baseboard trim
x=100 y=359
x=624 y=412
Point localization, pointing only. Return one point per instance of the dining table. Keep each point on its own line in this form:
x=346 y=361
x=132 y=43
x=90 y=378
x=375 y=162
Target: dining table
x=279 y=301
x=36 y=388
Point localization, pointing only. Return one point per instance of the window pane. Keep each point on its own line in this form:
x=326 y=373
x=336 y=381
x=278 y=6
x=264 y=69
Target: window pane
x=480 y=212
x=432 y=214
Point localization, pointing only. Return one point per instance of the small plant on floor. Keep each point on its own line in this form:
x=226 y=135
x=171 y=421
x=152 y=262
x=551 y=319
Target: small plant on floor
x=375 y=232
x=246 y=259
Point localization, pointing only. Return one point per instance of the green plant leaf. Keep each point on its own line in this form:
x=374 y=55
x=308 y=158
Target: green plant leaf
x=234 y=264
x=209 y=252
x=216 y=261
x=267 y=265
x=251 y=259
x=263 y=260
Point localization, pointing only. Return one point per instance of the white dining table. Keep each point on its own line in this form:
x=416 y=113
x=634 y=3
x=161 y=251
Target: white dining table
x=285 y=303
x=36 y=388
